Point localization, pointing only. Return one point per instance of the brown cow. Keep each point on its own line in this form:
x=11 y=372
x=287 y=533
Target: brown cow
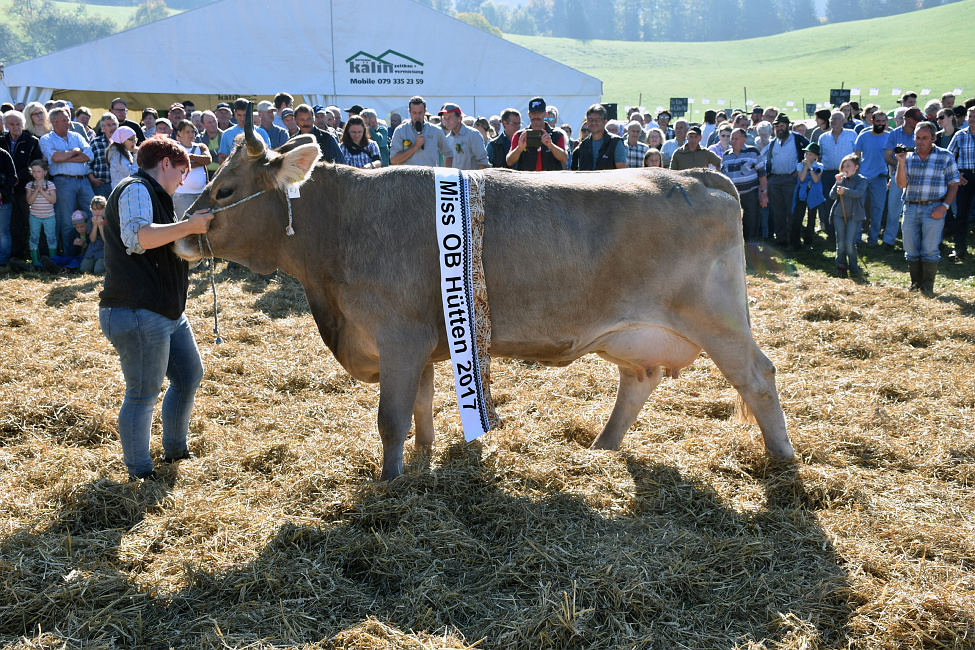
x=642 y=267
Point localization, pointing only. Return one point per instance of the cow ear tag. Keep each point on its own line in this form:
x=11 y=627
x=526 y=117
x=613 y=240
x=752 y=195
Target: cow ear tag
x=294 y=192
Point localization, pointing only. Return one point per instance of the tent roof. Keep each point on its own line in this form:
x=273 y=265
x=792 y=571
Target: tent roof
x=310 y=48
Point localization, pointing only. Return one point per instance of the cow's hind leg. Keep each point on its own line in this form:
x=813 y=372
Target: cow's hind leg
x=423 y=431
x=630 y=398
x=401 y=366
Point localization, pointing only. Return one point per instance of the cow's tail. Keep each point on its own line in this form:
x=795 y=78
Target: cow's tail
x=743 y=414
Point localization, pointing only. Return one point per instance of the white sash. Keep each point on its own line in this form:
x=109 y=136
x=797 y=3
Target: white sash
x=460 y=230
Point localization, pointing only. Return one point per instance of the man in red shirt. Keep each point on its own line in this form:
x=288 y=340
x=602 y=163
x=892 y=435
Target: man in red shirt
x=547 y=152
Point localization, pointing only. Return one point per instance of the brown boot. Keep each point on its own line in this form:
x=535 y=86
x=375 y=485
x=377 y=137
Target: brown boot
x=915 y=271
x=929 y=271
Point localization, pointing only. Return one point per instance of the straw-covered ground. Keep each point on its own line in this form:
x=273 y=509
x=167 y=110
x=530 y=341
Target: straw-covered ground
x=279 y=535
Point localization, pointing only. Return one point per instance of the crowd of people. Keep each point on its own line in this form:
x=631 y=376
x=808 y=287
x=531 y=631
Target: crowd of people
x=111 y=197
x=790 y=175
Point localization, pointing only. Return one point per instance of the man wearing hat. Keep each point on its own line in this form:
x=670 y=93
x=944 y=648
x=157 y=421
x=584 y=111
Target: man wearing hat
x=176 y=113
x=355 y=109
x=417 y=142
x=901 y=136
x=691 y=155
x=546 y=154
x=757 y=115
x=466 y=144
x=782 y=157
x=277 y=134
x=224 y=115
x=323 y=119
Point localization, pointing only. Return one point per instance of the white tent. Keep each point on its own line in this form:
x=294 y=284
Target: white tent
x=377 y=53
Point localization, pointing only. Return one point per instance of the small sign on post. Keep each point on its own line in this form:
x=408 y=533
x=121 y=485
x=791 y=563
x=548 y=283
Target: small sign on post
x=810 y=109
x=678 y=106
x=838 y=96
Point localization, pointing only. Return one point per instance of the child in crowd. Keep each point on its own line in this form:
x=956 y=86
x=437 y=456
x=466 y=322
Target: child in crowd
x=41 y=196
x=848 y=214
x=80 y=222
x=94 y=260
x=808 y=194
x=652 y=158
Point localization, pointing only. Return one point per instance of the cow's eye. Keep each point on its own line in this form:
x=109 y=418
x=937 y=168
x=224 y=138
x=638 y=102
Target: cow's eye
x=224 y=192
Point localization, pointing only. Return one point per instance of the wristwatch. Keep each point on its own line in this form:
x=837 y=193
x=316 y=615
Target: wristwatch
x=947 y=207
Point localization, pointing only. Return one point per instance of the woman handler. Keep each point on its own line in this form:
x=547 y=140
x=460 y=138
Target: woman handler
x=141 y=307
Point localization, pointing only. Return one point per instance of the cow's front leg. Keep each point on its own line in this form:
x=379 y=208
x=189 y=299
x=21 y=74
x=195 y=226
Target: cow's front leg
x=423 y=431
x=401 y=366
x=630 y=398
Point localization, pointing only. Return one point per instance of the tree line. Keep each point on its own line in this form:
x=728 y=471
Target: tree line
x=32 y=28
x=667 y=20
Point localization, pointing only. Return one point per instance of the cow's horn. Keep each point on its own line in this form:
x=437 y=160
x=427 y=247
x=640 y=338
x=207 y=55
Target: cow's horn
x=255 y=145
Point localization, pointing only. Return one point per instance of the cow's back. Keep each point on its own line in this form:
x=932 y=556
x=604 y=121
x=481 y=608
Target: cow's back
x=569 y=256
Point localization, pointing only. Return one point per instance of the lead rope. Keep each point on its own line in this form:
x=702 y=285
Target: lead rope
x=289 y=231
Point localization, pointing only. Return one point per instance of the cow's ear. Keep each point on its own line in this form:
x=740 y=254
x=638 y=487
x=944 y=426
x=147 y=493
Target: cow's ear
x=295 y=167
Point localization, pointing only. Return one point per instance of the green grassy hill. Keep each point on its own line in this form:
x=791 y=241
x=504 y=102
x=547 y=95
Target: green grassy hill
x=909 y=51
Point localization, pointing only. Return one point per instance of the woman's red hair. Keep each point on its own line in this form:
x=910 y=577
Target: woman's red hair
x=152 y=151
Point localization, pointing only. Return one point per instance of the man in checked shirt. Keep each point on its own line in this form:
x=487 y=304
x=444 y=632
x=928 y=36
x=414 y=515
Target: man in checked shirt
x=929 y=178
x=962 y=147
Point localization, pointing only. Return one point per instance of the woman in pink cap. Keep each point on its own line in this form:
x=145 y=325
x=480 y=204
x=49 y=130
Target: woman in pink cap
x=121 y=154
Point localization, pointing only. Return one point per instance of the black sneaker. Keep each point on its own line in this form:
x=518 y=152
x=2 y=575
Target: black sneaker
x=144 y=476
x=17 y=266
x=184 y=455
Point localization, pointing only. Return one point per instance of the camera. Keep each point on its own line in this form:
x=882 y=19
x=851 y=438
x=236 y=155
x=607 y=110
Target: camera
x=902 y=149
x=534 y=137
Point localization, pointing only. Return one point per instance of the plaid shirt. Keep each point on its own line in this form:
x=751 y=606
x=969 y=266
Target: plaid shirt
x=634 y=154
x=962 y=146
x=928 y=179
x=99 y=163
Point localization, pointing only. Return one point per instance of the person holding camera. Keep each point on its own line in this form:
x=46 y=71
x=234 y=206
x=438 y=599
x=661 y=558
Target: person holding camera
x=902 y=136
x=928 y=177
x=539 y=147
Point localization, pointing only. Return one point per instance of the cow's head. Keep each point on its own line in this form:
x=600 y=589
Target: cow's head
x=251 y=232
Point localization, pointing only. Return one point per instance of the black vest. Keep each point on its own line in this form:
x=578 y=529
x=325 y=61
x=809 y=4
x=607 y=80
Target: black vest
x=582 y=156
x=529 y=157
x=156 y=279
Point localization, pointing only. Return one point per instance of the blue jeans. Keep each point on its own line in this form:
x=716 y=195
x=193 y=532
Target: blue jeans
x=50 y=233
x=6 y=241
x=922 y=234
x=73 y=194
x=847 y=236
x=151 y=347
x=895 y=205
x=877 y=196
